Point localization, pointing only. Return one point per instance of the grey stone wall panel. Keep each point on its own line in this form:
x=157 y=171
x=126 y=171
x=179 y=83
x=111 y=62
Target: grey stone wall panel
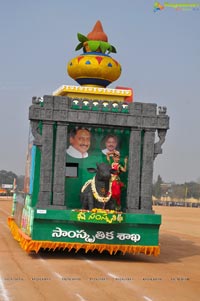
x=59 y=165
x=133 y=186
x=149 y=109
x=123 y=120
x=47 y=114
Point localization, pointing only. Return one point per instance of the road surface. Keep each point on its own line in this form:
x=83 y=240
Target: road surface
x=49 y=276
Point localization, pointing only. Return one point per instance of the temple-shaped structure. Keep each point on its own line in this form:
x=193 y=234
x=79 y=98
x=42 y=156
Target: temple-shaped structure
x=74 y=131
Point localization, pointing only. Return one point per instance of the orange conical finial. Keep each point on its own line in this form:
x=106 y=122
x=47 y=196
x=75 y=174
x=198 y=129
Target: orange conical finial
x=97 y=33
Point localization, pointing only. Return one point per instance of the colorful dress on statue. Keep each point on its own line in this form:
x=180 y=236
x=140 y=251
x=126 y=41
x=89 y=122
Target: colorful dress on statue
x=116 y=183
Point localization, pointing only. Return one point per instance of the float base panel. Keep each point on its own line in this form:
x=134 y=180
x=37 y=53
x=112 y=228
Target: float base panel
x=137 y=233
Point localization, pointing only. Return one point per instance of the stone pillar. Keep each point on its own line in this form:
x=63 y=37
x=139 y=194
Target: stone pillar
x=46 y=165
x=59 y=166
x=147 y=171
x=134 y=162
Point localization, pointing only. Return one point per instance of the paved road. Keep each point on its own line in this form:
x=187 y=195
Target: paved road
x=173 y=276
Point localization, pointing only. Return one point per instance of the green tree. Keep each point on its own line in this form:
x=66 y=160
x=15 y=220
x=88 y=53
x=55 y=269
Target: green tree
x=157 y=191
x=178 y=191
x=7 y=177
x=192 y=190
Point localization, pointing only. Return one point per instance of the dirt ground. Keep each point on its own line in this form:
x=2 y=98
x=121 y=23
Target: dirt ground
x=63 y=276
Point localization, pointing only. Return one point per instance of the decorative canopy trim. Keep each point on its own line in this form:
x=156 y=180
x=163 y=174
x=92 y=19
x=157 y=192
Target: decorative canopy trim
x=93 y=90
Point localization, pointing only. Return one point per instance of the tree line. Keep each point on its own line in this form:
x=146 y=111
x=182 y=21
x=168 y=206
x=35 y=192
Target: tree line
x=7 y=177
x=160 y=188
x=173 y=190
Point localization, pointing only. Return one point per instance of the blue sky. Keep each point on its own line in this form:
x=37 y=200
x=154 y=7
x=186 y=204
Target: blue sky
x=159 y=53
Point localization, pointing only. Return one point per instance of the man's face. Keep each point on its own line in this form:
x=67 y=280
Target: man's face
x=111 y=144
x=81 y=141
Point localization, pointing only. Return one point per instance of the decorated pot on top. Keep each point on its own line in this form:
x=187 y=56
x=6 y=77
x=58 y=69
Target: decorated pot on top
x=95 y=67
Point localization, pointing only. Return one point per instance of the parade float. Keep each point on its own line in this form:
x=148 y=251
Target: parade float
x=89 y=167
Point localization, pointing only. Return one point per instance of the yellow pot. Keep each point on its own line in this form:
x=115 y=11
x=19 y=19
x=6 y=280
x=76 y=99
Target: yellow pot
x=94 y=68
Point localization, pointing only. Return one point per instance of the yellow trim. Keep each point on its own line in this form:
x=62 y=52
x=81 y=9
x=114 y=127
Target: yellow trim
x=90 y=92
x=30 y=245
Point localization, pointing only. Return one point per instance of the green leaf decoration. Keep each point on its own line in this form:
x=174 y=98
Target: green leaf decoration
x=79 y=46
x=81 y=37
x=109 y=49
x=94 y=45
x=113 y=49
x=104 y=46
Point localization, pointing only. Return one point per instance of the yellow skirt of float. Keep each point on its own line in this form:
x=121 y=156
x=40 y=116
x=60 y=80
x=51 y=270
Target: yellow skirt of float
x=29 y=245
x=94 y=69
